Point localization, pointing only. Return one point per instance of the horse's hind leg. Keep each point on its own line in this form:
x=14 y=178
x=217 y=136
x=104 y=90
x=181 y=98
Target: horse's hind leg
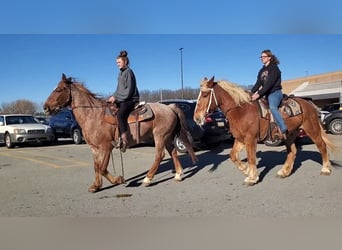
x=321 y=142
x=178 y=166
x=286 y=170
x=160 y=154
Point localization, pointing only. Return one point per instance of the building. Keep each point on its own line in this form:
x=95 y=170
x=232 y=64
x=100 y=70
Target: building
x=323 y=88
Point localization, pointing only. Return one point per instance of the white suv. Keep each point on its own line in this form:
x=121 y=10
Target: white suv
x=21 y=128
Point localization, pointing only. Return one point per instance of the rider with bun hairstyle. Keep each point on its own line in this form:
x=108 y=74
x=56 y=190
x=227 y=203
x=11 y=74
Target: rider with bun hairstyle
x=125 y=96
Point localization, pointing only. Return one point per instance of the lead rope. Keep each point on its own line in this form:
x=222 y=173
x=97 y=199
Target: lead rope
x=122 y=168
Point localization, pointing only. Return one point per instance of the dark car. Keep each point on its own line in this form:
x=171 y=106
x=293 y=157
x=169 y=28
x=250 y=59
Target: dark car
x=332 y=122
x=43 y=119
x=214 y=131
x=329 y=108
x=64 y=125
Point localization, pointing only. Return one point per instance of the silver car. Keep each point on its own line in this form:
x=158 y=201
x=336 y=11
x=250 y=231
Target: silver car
x=18 y=129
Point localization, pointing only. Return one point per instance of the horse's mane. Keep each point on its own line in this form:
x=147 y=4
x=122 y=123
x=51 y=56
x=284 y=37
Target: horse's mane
x=81 y=87
x=239 y=95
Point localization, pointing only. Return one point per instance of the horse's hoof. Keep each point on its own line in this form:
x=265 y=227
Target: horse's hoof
x=119 y=180
x=93 y=189
x=249 y=182
x=147 y=181
x=280 y=174
x=178 y=177
x=326 y=173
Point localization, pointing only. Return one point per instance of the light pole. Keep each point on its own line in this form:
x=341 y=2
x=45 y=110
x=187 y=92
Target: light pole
x=181 y=65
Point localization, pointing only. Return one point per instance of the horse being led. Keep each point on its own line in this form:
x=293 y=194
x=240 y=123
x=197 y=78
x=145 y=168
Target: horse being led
x=90 y=111
x=247 y=126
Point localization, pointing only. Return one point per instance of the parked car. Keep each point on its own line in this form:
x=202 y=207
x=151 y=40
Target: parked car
x=18 y=129
x=214 y=131
x=332 y=122
x=329 y=108
x=64 y=125
x=43 y=119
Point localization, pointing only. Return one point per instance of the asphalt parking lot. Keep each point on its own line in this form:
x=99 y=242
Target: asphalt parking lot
x=49 y=181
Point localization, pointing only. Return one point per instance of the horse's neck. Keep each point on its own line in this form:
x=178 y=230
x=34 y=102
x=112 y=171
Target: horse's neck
x=86 y=109
x=226 y=103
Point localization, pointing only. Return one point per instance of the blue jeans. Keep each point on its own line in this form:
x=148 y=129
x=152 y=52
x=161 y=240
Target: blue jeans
x=274 y=100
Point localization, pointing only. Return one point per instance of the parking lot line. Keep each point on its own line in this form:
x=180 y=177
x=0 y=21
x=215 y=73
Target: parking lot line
x=31 y=156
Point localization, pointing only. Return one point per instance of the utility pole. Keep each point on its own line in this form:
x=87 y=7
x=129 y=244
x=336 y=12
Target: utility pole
x=181 y=65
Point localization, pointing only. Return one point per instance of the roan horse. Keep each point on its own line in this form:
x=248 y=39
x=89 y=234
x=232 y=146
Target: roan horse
x=90 y=111
x=247 y=127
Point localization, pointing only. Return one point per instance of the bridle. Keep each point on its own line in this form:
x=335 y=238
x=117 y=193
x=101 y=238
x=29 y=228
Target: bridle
x=212 y=96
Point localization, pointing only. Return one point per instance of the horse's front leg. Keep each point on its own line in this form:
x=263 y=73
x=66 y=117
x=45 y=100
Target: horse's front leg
x=159 y=155
x=98 y=180
x=101 y=159
x=252 y=177
x=235 y=156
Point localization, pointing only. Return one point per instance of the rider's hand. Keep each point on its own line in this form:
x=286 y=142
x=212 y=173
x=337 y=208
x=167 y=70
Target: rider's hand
x=111 y=99
x=255 y=96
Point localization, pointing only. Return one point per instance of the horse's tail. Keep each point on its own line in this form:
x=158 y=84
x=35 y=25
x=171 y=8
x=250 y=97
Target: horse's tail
x=328 y=142
x=182 y=131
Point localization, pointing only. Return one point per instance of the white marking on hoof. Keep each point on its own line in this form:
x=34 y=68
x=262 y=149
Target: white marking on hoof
x=326 y=172
x=281 y=174
x=178 y=177
x=147 y=181
x=249 y=182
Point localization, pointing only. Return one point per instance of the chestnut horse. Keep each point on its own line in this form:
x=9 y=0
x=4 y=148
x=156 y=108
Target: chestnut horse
x=246 y=127
x=90 y=111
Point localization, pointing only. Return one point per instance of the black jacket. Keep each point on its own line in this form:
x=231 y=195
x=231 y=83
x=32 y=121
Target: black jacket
x=268 y=80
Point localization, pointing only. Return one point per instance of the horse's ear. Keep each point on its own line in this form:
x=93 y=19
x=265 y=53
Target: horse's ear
x=210 y=82
x=63 y=77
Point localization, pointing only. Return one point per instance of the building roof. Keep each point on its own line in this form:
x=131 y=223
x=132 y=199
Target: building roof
x=319 y=91
x=318 y=87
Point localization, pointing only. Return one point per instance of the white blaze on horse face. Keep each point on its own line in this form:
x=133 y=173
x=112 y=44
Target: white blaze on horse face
x=199 y=116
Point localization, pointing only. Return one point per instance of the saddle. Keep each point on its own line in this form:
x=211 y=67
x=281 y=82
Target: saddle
x=288 y=107
x=141 y=112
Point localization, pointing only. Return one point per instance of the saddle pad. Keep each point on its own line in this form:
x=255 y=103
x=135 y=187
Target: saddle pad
x=290 y=106
x=144 y=112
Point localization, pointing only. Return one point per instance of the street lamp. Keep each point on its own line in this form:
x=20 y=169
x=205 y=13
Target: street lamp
x=181 y=65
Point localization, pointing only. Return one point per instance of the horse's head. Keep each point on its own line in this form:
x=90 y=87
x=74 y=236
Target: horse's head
x=206 y=101
x=60 y=96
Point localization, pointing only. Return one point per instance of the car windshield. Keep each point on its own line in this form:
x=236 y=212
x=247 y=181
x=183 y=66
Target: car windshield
x=20 y=119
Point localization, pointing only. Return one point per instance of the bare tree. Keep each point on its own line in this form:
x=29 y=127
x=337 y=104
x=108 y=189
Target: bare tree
x=19 y=107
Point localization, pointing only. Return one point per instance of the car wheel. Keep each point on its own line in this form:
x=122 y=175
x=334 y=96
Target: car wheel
x=179 y=145
x=76 y=136
x=275 y=143
x=335 y=126
x=8 y=141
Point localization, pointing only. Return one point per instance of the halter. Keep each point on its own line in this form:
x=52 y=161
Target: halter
x=212 y=95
